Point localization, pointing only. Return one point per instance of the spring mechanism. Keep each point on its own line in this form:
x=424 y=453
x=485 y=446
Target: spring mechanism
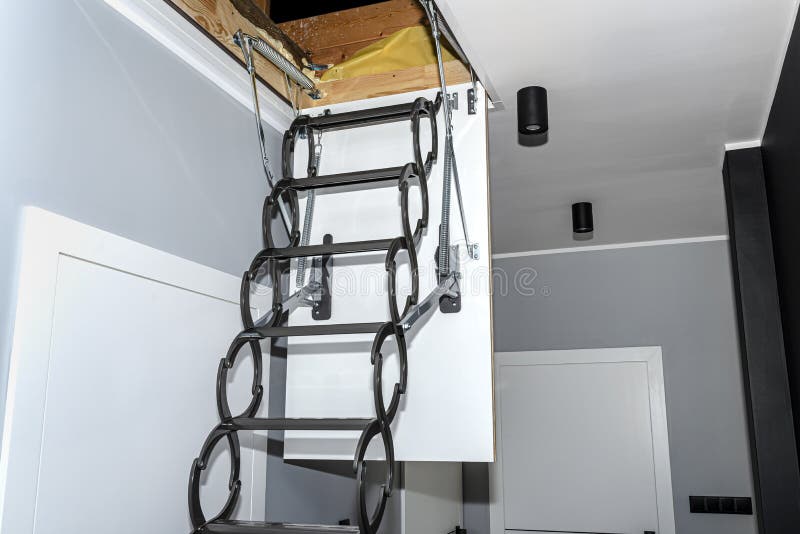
x=438 y=27
x=308 y=219
x=444 y=229
x=266 y=50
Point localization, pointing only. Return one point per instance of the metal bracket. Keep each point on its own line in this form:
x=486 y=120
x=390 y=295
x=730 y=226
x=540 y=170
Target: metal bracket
x=321 y=268
x=451 y=302
x=447 y=287
x=302 y=297
x=471 y=102
x=452 y=100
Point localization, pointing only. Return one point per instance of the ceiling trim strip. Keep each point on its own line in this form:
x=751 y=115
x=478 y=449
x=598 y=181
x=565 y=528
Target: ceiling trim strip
x=611 y=246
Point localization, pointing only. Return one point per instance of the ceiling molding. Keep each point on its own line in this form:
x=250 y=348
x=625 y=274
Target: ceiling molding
x=612 y=246
x=779 y=68
x=739 y=145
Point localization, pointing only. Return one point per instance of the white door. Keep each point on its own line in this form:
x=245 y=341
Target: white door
x=582 y=443
x=112 y=387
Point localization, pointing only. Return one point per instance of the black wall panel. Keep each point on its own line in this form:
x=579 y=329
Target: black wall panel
x=773 y=447
x=781 y=152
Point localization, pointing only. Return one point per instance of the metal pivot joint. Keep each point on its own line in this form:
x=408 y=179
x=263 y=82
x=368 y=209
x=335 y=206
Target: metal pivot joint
x=450 y=300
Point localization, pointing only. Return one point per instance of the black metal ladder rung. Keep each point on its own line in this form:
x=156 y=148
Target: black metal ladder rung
x=352 y=247
x=347 y=178
x=261 y=423
x=356 y=119
x=314 y=330
x=254 y=527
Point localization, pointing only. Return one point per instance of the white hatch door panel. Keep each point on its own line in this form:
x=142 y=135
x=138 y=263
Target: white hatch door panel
x=447 y=411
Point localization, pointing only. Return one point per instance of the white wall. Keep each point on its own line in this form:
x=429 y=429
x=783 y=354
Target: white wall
x=116 y=348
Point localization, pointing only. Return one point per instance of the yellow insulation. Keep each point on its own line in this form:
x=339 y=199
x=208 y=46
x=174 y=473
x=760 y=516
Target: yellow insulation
x=409 y=47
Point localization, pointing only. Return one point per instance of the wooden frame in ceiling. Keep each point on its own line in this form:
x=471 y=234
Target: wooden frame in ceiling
x=329 y=38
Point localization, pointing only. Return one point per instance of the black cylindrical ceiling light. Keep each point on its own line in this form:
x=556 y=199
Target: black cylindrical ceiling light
x=582 y=220
x=532 y=111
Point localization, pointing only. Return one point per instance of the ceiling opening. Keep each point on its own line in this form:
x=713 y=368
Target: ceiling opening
x=324 y=39
x=289 y=10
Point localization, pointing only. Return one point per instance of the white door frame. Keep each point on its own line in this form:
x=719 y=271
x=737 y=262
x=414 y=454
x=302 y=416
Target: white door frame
x=47 y=237
x=658 y=417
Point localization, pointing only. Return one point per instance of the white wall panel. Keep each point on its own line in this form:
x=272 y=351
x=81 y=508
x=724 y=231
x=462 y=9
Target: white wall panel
x=112 y=386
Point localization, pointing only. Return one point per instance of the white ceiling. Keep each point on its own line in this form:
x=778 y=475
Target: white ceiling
x=643 y=96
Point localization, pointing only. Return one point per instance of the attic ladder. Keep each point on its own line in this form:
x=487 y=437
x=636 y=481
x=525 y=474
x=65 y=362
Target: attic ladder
x=282 y=202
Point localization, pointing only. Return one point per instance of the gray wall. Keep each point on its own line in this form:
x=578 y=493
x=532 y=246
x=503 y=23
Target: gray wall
x=104 y=125
x=679 y=297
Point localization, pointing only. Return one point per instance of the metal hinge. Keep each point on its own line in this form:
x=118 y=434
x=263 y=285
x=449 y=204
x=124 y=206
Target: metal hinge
x=471 y=102
x=321 y=268
x=451 y=302
x=452 y=100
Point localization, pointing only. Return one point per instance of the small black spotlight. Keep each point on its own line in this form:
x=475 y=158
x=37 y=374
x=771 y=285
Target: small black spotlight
x=532 y=111
x=582 y=221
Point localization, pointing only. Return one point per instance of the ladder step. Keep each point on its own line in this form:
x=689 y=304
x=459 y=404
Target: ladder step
x=318 y=330
x=347 y=178
x=355 y=119
x=255 y=527
x=325 y=250
x=261 y=423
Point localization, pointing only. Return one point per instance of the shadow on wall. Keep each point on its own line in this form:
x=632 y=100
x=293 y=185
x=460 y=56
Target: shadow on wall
x=475 y=481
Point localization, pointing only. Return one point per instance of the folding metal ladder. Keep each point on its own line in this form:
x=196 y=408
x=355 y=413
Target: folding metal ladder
x=272 y=257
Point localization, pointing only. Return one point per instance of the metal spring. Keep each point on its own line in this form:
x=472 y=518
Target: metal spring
x=444 y=228
x=263 y=48
x=307 y=220
x=305 y=239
